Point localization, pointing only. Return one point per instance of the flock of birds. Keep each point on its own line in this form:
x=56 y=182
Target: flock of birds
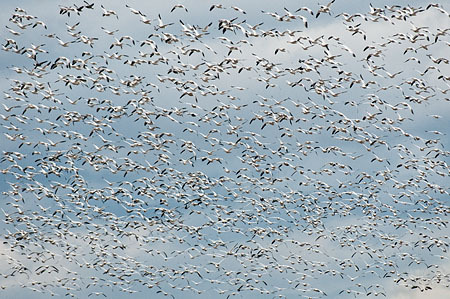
x=197 y=150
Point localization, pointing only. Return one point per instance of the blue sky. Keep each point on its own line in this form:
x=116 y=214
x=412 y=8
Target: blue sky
x=306 y=161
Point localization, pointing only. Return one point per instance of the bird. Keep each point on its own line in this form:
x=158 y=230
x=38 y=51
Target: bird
x=324 y=8
x=108 y=12
x=218 y=6
x=181 y=6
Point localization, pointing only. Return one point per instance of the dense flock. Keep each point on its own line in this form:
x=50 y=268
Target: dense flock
x=241 y=149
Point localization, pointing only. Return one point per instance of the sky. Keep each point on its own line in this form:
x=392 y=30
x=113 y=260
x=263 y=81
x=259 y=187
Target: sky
x=244 y=149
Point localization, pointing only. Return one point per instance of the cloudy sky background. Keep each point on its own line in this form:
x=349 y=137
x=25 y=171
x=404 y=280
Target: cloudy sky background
x=160 y=251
